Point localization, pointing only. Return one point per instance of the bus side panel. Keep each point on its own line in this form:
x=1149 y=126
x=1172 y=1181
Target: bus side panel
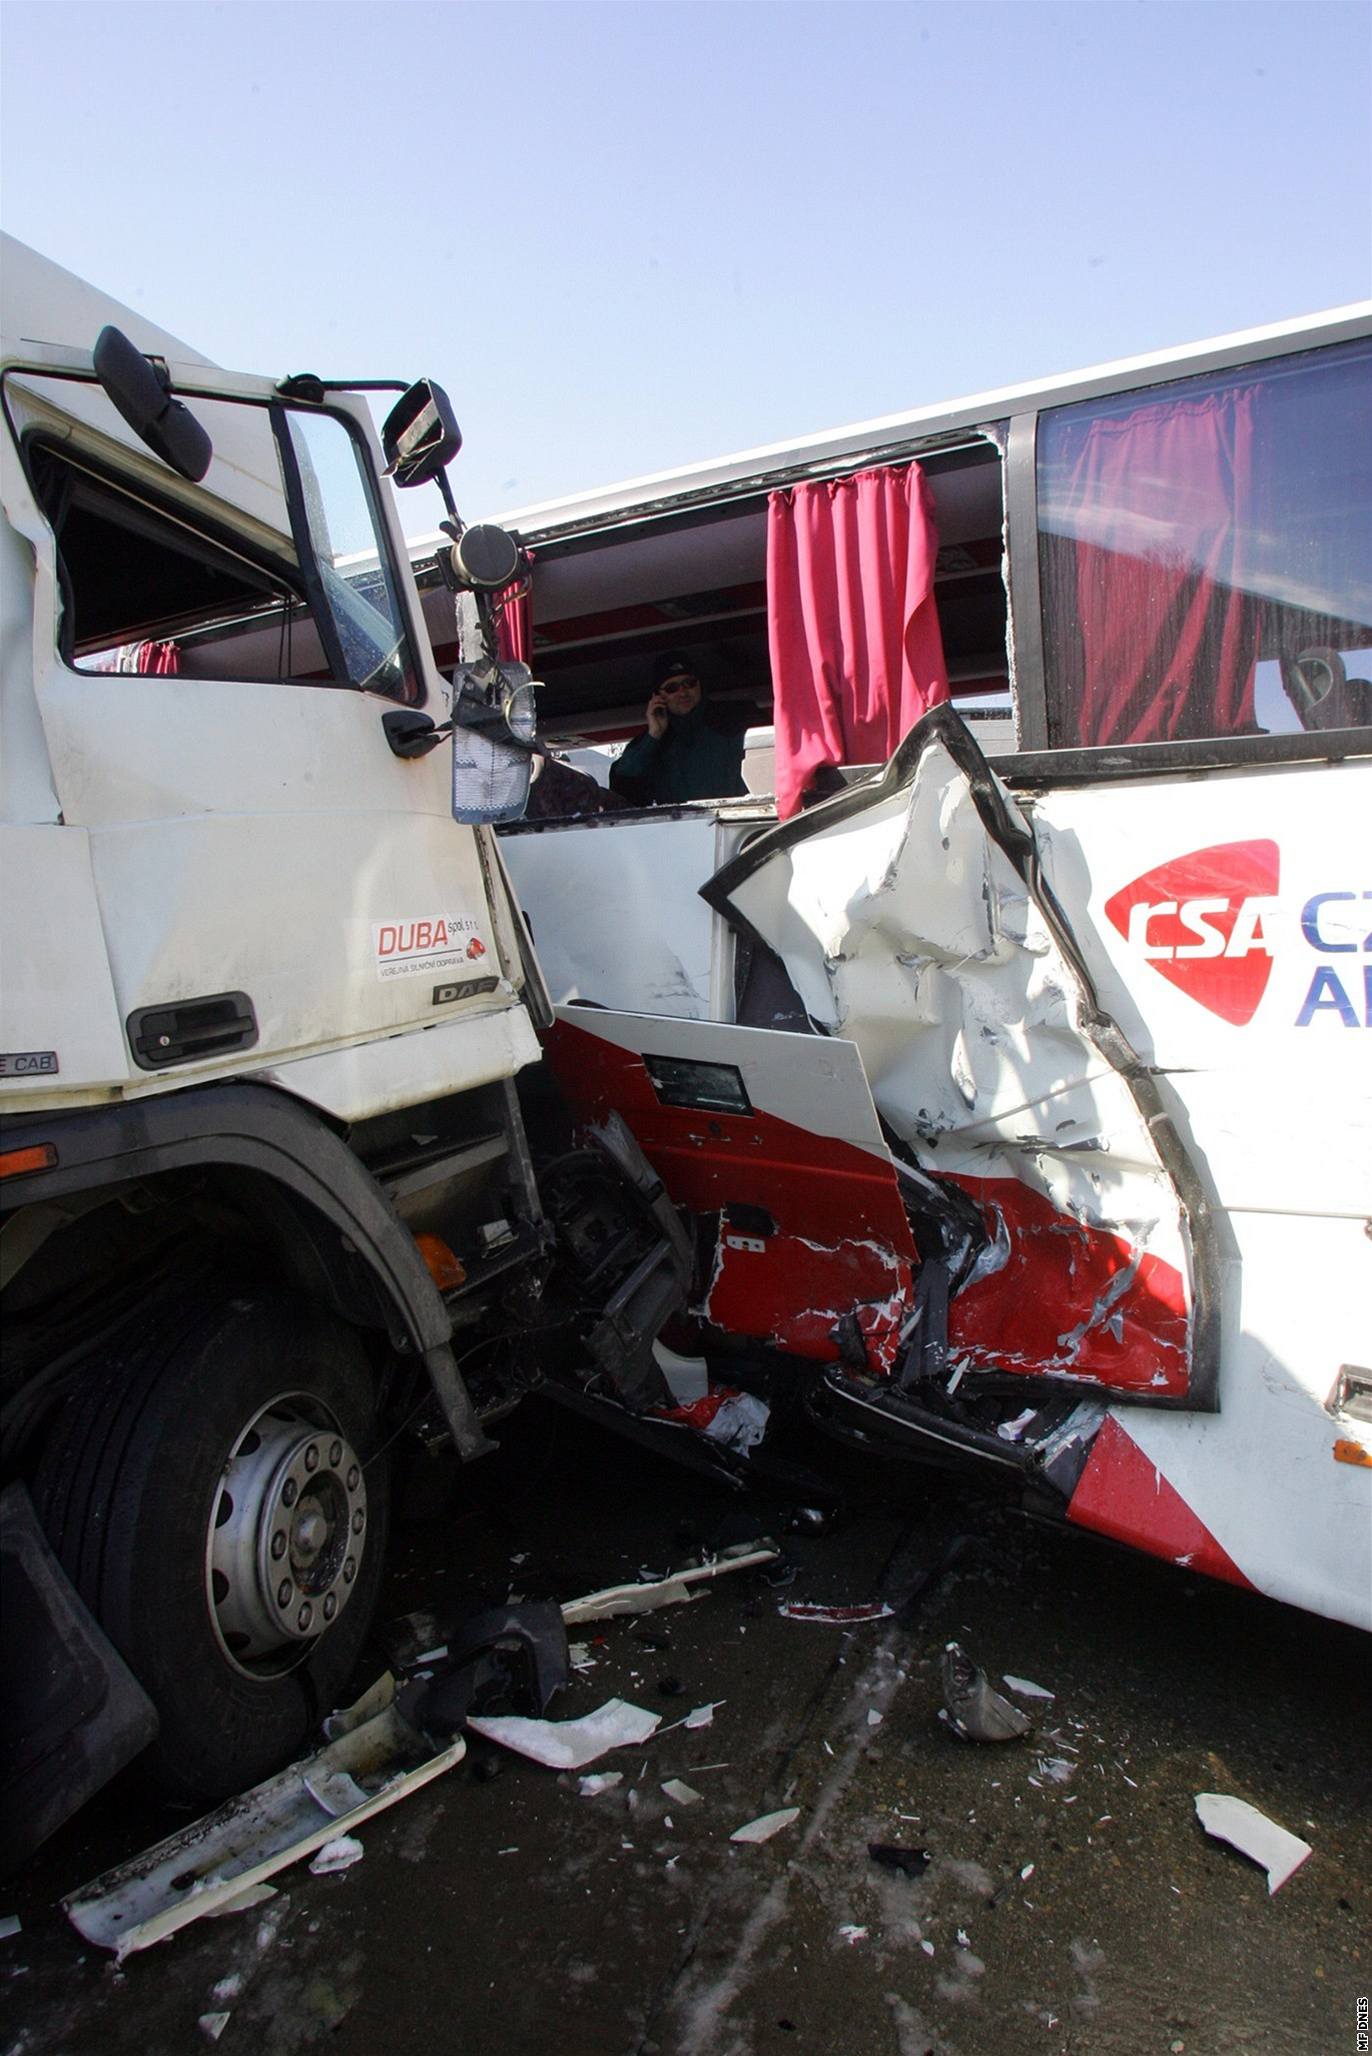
x=1227 y=923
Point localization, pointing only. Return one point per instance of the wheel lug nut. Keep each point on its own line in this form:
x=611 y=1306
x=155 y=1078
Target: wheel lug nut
x=289 y=1492
x=330 y=1606
x=358 y=1518
x=335 y=1454
x=283 y=1593
x=312 y=1457
x=304 y=1617
x=278 y=1545
x=350 y=1570
x=354 y=1478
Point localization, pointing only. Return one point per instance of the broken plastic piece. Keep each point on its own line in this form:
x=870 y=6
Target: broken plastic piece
x=852 y=1934
x=766 y=1825
x=1272 y=1848
x=216 y=1862
x=702 y=1716
x=975 y=1709
x=339 y=1854
x=212 y=2025
x=1023 y=1689
x=681 y=1794
x=835 y=1616
x=570 y=1744
x=599 y=1781
x=911 y=1863
x=10 y=1925
x=671 y=1591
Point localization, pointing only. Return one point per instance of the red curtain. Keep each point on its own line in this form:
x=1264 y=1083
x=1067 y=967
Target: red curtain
x=856 y=651
x=514 y=624
x=1168 y=639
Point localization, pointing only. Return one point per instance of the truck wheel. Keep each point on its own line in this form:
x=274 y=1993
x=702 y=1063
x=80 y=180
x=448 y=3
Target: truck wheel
x=216 y=1497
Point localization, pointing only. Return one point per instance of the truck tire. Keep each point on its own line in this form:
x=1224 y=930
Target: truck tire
x=215 y=1494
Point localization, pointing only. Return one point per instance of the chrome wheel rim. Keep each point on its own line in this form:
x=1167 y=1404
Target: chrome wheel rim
x=288 y=1529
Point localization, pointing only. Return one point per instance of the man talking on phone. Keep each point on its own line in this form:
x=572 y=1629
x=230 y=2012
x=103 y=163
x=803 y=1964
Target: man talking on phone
x=690 y=750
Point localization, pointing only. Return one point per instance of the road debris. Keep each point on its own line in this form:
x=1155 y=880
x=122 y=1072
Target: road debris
x=674 y=1590
x=702 y=1716
x=835 y=1616
x=972 y=1705
x=852 y=1934
x=681 y=1794
x=211 y=1866
x=766 y=1825
x=340 y=1854
x=1023 y=1688
x=911 y=1863
x=570 y=1744
x=1272 y=1848
x=212 y=2025
x=10 y=1925
x=599 y=1781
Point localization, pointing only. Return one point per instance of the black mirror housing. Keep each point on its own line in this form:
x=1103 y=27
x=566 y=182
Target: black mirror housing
x=420 y=435
x=141 y=390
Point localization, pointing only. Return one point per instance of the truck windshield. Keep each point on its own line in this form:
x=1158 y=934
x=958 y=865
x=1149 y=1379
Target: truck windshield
x=215 y=580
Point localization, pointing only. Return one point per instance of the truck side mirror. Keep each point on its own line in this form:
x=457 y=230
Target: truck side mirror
x=140 y=388
x=420 y=435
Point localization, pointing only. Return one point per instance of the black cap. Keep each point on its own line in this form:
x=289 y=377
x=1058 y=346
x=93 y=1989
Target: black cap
x=673 y=665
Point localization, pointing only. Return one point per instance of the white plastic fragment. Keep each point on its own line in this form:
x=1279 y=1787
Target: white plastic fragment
x=874 y=1719
x=570 y=1744
x=766 y=1825
x=1272 y=1848
x=10 y=1924
x=1026 y=1873
x=599 y=1781
x=1025 y=1689
x=339 y=1854
x=671 y=1591
x=216 y=1864
x=852 y=1934
x=681 y=1794
x=702 y=1716
x=212 y=2025
x=964 y=1940
x=927 y=1947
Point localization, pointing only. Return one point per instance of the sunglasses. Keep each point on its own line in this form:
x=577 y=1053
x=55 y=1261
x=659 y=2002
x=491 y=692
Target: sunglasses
x=678 y=685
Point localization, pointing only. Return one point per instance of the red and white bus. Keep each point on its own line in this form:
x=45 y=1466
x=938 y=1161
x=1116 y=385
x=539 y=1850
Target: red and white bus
x=1019 y=1113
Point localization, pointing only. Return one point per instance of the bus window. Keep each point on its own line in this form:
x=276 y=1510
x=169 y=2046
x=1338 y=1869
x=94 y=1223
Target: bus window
x=1206 y=555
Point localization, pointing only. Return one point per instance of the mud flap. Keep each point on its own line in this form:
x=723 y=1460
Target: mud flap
x=72 y=1713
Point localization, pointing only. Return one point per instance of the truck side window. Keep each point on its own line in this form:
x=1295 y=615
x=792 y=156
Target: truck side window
x=1206 y=555
x=206 y=581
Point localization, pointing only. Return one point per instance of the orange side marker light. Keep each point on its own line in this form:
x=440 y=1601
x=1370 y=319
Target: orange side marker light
x=447 y=1270
x=40 y=1156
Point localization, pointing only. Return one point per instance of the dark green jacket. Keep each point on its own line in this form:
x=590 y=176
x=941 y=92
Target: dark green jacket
x=699 y=758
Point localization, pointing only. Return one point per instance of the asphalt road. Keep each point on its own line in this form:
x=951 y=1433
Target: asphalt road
x=1070 y=1902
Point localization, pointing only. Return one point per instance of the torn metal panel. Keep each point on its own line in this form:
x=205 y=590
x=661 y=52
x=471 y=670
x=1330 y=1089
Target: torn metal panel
x=912 y=918
x=205 y=1867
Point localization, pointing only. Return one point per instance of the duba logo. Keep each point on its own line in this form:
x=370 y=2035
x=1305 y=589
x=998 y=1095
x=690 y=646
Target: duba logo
x=1201 y=921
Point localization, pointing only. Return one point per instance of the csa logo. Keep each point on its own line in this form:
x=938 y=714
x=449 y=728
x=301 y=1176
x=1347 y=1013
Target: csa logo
x=1199 y=921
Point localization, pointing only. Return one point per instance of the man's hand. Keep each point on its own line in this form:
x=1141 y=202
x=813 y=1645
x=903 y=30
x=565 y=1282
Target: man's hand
x=657 y=717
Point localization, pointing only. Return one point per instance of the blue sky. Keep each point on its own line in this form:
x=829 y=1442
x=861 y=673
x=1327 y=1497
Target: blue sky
x=629 y=236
